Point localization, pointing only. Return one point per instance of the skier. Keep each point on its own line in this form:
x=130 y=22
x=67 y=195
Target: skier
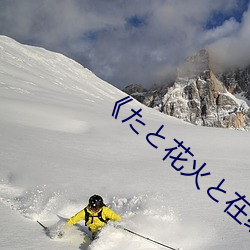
x=95 y=214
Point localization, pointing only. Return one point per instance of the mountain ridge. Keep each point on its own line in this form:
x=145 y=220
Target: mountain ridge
x=202 y=95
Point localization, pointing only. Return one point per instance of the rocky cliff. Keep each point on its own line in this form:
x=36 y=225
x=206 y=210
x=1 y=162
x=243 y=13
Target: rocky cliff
x=200 y=96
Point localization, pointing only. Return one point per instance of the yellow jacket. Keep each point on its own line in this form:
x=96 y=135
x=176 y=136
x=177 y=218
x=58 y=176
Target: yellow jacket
x=94 y=223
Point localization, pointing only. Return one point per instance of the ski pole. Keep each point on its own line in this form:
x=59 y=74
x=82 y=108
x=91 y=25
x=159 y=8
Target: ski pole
x=45 y=228
x=146 y=238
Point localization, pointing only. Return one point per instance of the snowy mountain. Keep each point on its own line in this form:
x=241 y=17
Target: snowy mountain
x=60 y=144
x=201 y=95
x=237 y=81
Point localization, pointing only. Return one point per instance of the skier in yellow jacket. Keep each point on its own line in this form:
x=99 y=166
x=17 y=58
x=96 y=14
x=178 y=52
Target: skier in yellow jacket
x=96 y=215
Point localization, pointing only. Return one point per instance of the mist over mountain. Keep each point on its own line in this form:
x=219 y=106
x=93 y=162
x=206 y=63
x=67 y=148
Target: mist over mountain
x=204 y=92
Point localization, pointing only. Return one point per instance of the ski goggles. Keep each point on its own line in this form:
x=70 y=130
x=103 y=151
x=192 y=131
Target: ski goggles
x=94 y=208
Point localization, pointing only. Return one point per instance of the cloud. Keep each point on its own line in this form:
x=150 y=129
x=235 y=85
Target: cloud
x=233 y=49
x=125 y=42
x=228 y=28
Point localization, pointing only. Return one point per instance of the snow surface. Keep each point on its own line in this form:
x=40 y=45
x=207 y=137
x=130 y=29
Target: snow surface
x=60 y=144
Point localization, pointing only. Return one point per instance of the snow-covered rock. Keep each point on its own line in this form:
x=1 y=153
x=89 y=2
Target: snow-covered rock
x=199 y=97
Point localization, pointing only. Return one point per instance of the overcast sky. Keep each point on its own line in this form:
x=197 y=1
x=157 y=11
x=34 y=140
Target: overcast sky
x=131 y=41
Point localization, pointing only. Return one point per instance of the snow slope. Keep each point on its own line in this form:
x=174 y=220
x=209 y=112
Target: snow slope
x=60 y=144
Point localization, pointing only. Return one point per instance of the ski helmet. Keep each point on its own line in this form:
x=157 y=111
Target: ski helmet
x=95 y=202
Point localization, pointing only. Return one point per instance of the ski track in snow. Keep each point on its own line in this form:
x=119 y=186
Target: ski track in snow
x=40 y=204
x=144 y=214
